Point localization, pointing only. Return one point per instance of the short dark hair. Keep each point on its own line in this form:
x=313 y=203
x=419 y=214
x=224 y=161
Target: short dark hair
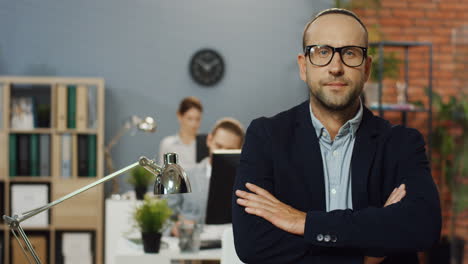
x=332 y=11
x=189 y=103
x=232 y=125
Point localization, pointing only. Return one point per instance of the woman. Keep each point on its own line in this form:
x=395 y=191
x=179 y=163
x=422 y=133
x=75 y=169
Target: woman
x=183 y=143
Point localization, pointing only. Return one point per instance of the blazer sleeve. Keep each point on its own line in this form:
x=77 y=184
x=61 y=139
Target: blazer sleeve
x=413 y=224
x=256 y=240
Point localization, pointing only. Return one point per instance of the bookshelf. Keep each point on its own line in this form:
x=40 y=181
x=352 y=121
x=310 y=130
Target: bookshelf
x=416 y=88
x=52 y=130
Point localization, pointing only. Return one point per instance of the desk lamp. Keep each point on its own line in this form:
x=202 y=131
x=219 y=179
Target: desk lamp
x=170 y=178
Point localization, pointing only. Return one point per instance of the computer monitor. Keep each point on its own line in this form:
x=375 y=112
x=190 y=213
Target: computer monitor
x=218 y=209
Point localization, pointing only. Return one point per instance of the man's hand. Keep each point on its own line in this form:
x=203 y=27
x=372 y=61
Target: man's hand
x=263 y=204
x=395 y=197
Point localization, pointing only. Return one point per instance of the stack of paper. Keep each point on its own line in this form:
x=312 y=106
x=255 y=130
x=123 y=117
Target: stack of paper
x=25 y=197
x=76 y=248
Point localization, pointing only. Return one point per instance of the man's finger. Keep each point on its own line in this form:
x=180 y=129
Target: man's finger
x=396 y=195
x=260 y=191
x=256 y=205
x=253 y=197
x=400 y=196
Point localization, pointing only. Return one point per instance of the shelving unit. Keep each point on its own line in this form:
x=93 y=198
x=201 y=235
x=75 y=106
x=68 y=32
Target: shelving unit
x=406 y=46
x=83 y=213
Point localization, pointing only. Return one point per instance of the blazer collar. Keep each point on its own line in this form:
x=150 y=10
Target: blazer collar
x=364 y=149
x=308 y=159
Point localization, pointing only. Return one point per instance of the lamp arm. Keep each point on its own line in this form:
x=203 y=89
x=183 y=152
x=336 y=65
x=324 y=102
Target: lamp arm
x=126 y=126
x=41 y=209
x=14 y=222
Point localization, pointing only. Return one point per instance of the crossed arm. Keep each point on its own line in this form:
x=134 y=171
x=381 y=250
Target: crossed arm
x=261 y=203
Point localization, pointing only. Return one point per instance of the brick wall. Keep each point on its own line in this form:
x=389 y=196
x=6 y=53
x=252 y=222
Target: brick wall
x=444 y=23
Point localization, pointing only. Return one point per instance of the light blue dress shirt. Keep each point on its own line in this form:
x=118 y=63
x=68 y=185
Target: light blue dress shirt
x=336 y=157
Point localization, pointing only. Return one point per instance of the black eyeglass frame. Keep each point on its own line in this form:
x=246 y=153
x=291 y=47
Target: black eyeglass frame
x=309 y=47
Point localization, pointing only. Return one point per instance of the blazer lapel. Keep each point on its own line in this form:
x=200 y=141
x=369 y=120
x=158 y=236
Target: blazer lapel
x=307 y=159
x=362 y=159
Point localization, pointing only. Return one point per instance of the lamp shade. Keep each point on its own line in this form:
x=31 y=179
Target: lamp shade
x=171 y=177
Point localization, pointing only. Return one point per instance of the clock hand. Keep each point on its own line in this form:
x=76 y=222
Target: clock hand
x=203 y=64
x=212 y=63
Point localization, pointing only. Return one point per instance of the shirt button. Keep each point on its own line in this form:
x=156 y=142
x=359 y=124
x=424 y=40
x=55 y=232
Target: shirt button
x=319 y=237
x=327 y=238
x=324 y=134
x=334 y=239
x=335 y=153
x=333 y=191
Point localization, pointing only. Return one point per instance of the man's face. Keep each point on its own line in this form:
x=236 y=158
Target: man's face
x=335 y=86
x=223 y=139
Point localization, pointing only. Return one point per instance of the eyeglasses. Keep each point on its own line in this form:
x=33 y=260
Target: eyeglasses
x=322 y=55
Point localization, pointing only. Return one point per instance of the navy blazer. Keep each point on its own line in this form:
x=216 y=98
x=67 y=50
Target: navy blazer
x=282 y=155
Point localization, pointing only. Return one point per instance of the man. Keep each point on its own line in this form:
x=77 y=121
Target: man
x=227 y=133
x=327 y=181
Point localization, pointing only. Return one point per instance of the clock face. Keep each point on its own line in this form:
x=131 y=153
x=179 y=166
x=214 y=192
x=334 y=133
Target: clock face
x=206 y=67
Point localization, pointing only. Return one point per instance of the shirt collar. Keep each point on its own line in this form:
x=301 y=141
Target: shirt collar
x=351 y=125
x=178 y=140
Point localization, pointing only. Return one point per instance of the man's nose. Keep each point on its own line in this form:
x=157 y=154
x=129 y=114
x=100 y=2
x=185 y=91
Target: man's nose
x=336 y=66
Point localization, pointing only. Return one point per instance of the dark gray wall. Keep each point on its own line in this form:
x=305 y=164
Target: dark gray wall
x=142 y=48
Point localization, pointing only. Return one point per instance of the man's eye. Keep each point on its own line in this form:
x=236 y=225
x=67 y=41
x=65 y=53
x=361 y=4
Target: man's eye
x=349 y=53
x=323 y=52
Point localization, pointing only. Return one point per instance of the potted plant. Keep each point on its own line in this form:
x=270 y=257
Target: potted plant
x=140 y=178
x=450 y=144
x=151 y=218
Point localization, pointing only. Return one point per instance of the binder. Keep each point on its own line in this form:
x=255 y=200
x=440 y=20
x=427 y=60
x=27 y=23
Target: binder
x=24 y=158
x=83 y=145
x=82 y=107
x=62 y=107
x=12 y=155
x=92 y=163
x=71 y=114
x=44 y=156
x=92 y=107
x=66 y=156
x=34 y=154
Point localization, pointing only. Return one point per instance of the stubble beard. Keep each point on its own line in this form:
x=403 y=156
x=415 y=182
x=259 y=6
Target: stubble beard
x=336 y=103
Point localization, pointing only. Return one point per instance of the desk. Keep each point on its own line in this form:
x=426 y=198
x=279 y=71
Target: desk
x=129 y=252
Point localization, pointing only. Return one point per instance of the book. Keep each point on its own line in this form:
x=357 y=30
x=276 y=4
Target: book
x=23 y=156
x=44 y=155
x=66 y=150
x=62 y=103
x=92 y=162
x=34 y=154
x=71 y=113
x=83 y=155
x=12 y=155
x=82 y=107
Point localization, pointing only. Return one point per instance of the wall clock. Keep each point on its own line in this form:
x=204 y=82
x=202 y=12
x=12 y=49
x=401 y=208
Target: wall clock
x=206 y=67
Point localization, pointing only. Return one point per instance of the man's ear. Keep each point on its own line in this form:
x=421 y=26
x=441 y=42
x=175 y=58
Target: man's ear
x=302 y=63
